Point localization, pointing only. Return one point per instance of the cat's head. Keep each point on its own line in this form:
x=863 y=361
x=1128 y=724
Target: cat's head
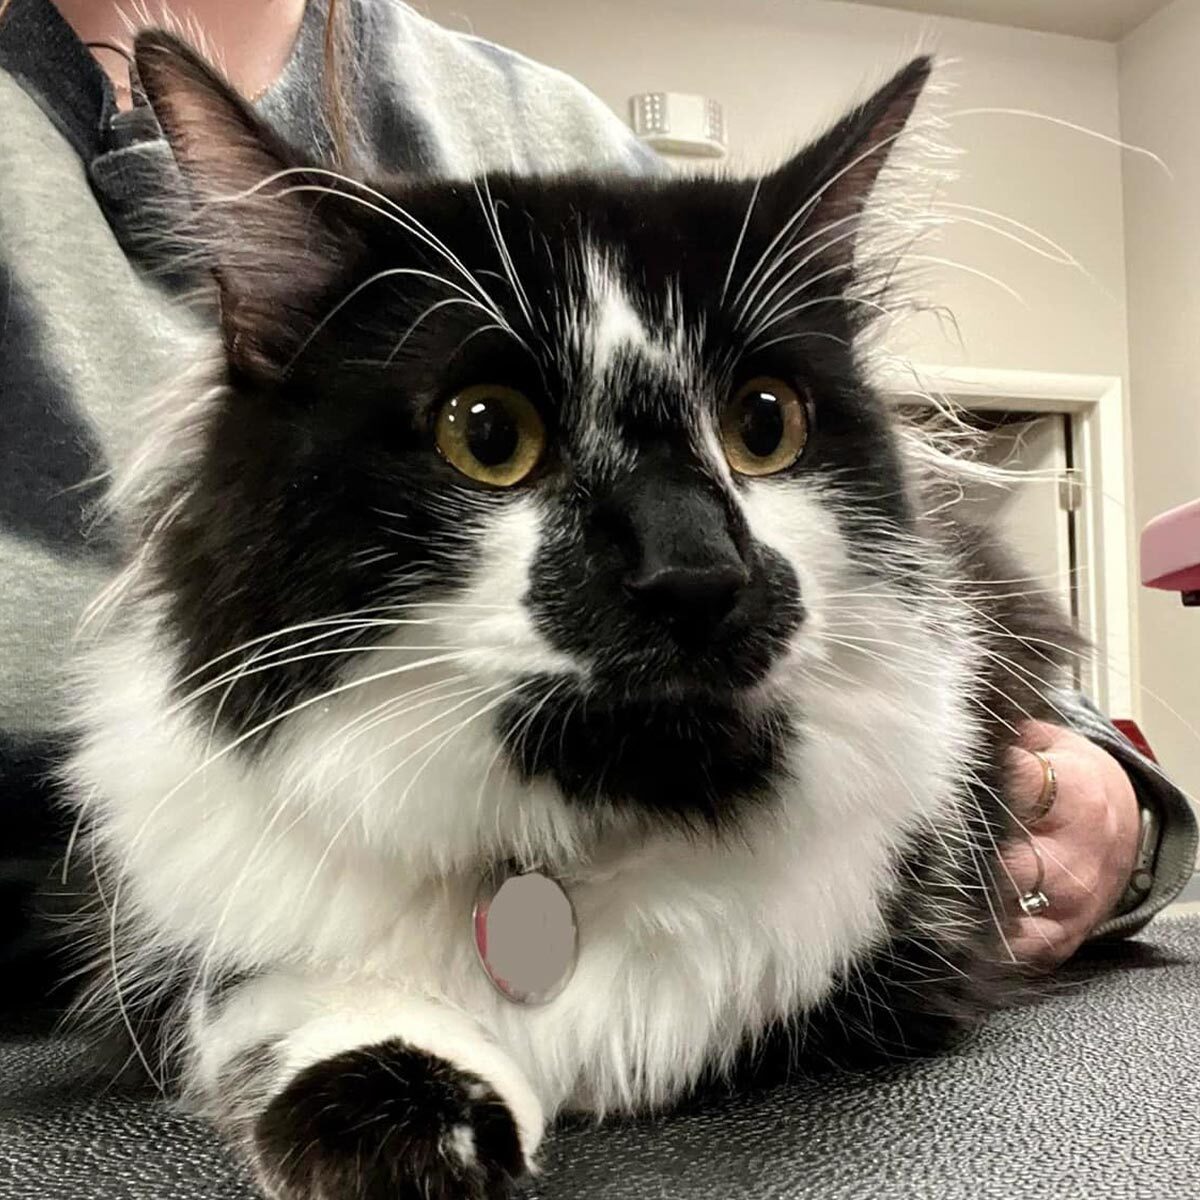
x=596 y=453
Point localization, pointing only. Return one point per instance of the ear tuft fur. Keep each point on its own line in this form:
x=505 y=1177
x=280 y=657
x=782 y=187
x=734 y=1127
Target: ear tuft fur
x=258 y=216
x=835 y=176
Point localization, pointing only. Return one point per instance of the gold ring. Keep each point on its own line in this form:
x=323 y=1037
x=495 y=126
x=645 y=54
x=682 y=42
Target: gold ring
x=1049 y=791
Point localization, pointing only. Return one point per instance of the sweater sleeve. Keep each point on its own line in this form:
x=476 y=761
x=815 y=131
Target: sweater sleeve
x=1176 y=856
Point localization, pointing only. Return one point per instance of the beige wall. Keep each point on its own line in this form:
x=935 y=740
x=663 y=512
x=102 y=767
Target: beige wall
x=1160 y=108
x=779 y=76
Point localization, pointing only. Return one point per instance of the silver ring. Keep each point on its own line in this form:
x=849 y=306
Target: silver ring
x=1035 y=902
x=1037 y=857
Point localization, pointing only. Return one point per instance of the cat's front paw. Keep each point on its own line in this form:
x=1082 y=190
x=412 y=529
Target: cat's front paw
x=387 y=1122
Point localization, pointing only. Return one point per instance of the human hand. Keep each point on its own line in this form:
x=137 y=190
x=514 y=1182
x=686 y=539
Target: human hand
x=1087 y=840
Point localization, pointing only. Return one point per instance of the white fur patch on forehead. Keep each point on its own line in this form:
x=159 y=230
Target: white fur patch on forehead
x=614 y=346
x=613 y=323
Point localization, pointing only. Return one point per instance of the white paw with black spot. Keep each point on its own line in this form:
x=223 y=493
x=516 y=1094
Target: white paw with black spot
x=387 y=1122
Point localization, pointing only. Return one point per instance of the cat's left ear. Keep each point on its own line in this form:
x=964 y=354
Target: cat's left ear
x=274 y=239
x=834 y=177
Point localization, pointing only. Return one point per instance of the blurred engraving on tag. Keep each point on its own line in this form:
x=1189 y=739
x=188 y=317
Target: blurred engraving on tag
x=525 y=935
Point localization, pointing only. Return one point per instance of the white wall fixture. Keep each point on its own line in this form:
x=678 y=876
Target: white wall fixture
x=679 y=123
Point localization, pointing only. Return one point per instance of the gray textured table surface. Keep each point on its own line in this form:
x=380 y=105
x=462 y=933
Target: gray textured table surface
x=1094 y=1093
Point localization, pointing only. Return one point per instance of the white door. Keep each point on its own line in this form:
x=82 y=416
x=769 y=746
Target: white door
x=1032 y=511
x=1029 y=509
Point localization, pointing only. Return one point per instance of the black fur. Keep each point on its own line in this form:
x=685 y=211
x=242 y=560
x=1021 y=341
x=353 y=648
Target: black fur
x=378 y=1124
x=696 y=761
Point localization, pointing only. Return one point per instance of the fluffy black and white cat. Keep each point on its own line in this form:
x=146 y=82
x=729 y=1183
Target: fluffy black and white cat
x=550 y=522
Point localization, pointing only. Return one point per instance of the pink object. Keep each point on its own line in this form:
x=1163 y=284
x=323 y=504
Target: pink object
x=1171 y=552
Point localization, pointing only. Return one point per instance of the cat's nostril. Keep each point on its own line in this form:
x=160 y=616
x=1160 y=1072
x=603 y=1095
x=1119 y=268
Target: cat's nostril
x=696 y=599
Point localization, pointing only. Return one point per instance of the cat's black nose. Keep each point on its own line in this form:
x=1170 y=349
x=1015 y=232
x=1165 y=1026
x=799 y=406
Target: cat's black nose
x=685 y=567
x=693 y=600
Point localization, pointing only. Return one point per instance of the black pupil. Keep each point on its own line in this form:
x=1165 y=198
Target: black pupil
x=761 y=425
x=492 y=432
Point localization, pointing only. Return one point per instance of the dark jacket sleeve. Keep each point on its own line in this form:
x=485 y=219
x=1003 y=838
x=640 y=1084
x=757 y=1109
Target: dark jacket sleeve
x=1176 y=858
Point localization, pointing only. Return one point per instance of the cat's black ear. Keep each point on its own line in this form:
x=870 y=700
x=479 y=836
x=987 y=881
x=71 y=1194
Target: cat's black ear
x=257 y=213
x=834 y=177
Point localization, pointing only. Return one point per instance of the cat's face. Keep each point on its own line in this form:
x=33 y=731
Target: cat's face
x=604 y=442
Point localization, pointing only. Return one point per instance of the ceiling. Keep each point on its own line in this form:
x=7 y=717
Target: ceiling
x=1109 y=20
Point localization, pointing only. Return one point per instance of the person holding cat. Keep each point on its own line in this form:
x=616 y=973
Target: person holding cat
x=94 y=287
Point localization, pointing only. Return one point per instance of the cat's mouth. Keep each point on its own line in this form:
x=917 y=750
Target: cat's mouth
x=688 y=752
x=684 y=679
x=644 y=667
x=682 y=635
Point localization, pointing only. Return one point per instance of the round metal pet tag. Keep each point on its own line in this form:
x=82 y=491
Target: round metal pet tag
x=525 y=935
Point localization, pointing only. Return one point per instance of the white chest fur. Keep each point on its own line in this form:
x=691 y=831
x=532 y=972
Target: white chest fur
x=686 y=944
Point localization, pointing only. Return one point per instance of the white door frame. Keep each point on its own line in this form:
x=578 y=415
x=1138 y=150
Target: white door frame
x=1096 y=406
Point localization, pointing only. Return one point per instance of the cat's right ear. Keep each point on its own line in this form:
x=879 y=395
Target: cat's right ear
x=258 y=213
x=829 y=184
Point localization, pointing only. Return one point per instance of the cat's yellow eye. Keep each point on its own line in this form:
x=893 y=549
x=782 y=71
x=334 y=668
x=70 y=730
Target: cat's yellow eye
x=764 y=427
x=492 y=434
